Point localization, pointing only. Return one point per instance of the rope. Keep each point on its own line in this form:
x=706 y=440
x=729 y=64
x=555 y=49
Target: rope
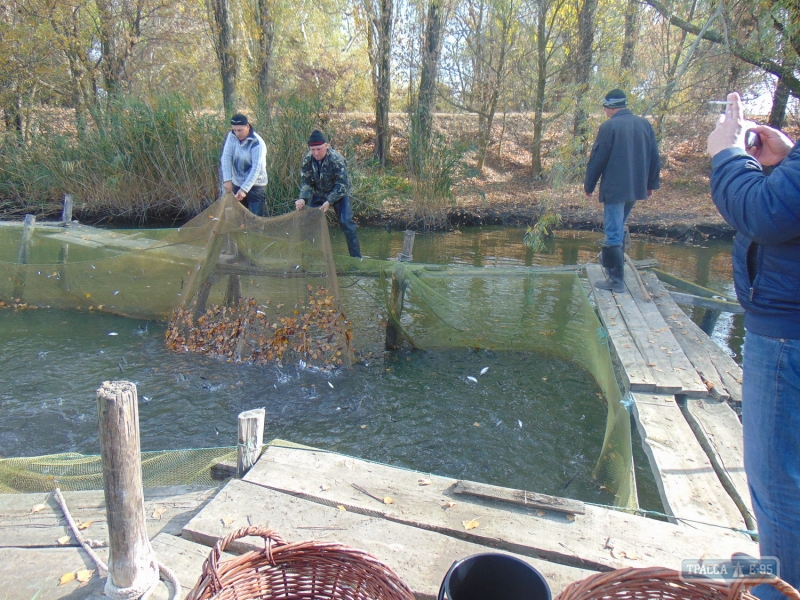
x=143 y=590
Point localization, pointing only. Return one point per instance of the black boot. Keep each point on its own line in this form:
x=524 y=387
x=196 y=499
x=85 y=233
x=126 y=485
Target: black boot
x=613 y=259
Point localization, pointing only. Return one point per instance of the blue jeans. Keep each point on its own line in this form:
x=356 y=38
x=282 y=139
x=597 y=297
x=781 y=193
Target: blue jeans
x=255 y=200
x=344 y=213
x=614 y=217
x=771 y=421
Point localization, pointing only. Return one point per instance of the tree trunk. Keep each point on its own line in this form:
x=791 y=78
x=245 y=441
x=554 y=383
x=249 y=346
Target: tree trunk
x=383 y=140
x=12 y=113
x=631 y=35
x=780 y=99
x=583 y=71
x=266 y=34
x=226 y=55
x=426 y=98
x=539 y=94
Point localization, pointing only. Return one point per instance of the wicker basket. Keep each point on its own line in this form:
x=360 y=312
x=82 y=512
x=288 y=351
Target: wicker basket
x=660 y=583
x=298 y=571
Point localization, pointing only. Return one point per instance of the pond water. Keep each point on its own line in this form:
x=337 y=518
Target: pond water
x=532 y=422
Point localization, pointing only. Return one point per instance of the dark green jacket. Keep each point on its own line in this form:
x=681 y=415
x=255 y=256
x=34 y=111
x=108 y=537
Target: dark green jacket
x=324 y=179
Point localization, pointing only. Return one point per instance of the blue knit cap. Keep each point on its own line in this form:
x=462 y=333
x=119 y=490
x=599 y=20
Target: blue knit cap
x=615 y=99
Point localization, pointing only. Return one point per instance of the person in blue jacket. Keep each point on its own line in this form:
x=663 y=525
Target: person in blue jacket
x=244 y=165
x=765 y=211
x=625 y=161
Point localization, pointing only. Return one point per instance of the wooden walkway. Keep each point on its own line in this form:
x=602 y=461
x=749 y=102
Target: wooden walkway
x=679 y=382
x=309 y=494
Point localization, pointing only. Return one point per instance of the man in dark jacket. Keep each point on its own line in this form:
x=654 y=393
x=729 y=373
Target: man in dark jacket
x=765 y=211
x=625 y=160
x=324 y=183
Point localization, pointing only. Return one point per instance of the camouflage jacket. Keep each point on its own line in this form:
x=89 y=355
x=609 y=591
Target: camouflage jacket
x=325 y=179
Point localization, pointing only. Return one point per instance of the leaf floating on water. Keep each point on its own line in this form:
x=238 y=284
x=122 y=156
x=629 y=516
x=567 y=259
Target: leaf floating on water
x=476 y=424
x=63 y=540
x=424 y=482
x=159 y=510
x=84 y=575
x=66 y=578
x=388 y=500
x=38 y=507
x=472 y=379
x=484 y=370
x=470 y=524
x=85 y=525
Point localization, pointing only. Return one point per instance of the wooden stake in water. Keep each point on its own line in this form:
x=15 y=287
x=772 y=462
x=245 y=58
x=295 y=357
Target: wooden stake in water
x=251 y=438
x=132 y=561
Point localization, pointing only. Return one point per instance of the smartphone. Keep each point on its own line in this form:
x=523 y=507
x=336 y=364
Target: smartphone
x=752 y=139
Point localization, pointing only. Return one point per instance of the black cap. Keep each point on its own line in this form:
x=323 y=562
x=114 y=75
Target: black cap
x=239 y=119
x=615 y=99
x=316 y=139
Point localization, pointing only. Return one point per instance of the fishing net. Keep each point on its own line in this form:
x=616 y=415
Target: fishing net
x=247 y=288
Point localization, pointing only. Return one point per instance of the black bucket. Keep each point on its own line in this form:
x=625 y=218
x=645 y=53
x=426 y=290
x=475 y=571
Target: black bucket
x=493 y=576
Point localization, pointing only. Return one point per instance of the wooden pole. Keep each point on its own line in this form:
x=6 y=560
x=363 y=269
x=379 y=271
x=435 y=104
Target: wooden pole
x=24 y=250
x=395 y=310
x=251 y=438
x=709 y=321
x=66 y=214
x=132 y=561
x=408 y=246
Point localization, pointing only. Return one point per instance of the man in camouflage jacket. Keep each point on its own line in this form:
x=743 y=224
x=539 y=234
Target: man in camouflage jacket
x=324 y=183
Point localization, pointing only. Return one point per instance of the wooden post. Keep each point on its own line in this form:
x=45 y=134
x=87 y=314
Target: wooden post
x=709 y=321
x=66 y=214
x=251 y=438
x=24 y=250
x=132 y=562
x=408 y=246
x=233 y=293
x=395 y=310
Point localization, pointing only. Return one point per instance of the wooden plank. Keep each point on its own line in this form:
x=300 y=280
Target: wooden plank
x=720 y=432
x=710 y=303
x=327 y=477
x=642 y=335
x=420 y=558
x=35 y=572
x=698 y=347
x=686 y=480
x=635 y=370
x=665 y=347
x=522 y=497
x=167 y=510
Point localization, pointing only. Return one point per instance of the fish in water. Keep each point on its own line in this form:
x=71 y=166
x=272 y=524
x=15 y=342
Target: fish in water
x=472 y=379
x=520 y=423
x=330 y=384
x=484 y=370
x=112 y=333
x=145 y=399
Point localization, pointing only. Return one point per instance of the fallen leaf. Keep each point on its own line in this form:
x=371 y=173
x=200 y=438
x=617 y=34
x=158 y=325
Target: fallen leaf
x=341 y=507
x=388 y=500
x=66 y=578
x=38 y=507
x=325 y=488
x=227 y=521
x=570 y=517
x=63 y=540
x=539 y=513
x=84 y=575
x=448 y=504
x=424 y=482
x=470 y=524
x=85 y=525
x=159 y=510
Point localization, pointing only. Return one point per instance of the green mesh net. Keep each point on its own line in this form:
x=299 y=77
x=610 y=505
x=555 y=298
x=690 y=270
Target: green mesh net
x=247 y=288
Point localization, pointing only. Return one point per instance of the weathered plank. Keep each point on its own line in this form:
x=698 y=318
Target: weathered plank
x=665 y=347
x=167 y=510
x=522 y=497
x=635 y=370
x=184 y=557
x=686 y=480
x=420 y=558
x=718 y=427
x=711 y=363
x=326 y=478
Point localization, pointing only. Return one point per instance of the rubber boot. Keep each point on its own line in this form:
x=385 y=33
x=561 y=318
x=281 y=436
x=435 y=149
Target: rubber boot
x=613 y=259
